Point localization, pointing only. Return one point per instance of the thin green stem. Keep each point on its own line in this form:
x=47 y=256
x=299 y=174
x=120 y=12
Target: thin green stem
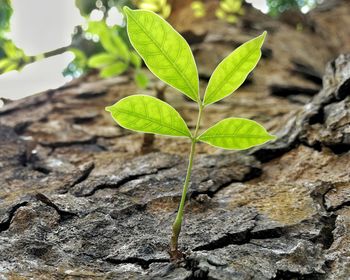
x=201 y=107
x=179 y=217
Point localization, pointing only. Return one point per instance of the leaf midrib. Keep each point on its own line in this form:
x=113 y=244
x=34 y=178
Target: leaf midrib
x=150 y=119
x=167 y=57
x=234 y=136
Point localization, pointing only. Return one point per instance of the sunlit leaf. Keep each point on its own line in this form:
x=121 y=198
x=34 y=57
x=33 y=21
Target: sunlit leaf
x=198 y=8
x=4 y=63
x=165 y=52
x=114 y=69
x=160 y=7
x=236 y=134
x=100 y=60
x=166 y=11
x=220 y=14
x=148 y=114
x=231 y=6
x=149 y=6
x=233 y=70
x=10 y=49
x=11 y=67
x=231 y=18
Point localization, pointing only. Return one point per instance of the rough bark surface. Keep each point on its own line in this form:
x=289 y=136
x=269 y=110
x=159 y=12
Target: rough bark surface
x=81 y=198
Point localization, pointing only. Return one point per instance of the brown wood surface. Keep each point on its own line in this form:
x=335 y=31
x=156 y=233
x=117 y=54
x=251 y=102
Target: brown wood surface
x=81 y=198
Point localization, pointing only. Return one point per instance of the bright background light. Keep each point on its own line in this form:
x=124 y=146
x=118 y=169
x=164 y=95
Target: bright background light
x=35 y=77
x=259 y=4
x=115 y=17
x=40 y=26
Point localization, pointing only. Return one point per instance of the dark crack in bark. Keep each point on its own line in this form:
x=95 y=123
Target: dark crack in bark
x=64 y=215
x=5 y=225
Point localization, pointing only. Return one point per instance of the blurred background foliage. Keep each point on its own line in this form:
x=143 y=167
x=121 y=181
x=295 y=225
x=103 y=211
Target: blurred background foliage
x=277 y=7
x=5 y=14
x=161 y=7
x=102 y=43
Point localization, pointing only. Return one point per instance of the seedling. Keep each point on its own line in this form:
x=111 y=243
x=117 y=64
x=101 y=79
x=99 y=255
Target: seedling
x=169 y=57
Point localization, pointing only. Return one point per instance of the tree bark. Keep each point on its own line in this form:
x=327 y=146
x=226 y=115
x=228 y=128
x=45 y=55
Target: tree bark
x=81 y=198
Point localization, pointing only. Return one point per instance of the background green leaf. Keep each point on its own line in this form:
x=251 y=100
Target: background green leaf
x=106 y=40
x=11 y=67
x=148 y=114
x=100 y=60
x=141 y=79
x=135 y=59
x=121 y=48
x=233 y=70
x=165 y=52
x=114 y=69
x=4 y=63
x=236 y=134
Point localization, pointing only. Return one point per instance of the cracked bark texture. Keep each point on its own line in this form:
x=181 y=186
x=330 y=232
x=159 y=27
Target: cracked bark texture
x=81 y=198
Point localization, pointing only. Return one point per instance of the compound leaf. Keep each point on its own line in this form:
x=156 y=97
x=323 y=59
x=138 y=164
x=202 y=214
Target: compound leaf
x=236 y=134
x=148 y=114
x=164 y=50
x=233 y=70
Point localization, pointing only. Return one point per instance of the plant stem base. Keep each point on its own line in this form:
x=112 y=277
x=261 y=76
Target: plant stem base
x=176 y=256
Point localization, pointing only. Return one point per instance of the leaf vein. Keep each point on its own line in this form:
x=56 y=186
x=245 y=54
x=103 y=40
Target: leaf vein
x=189 y=85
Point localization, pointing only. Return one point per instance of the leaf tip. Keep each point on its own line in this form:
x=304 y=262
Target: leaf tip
x=108 y=109
x=263 y=36
x=126 y=10
x=272 y=137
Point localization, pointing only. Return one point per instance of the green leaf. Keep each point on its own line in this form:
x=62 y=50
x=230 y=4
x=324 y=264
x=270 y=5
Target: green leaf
x=165 y=52
x=13 y=66
x=141 y=79
x=114 y=69
x=100 y=60
x=80 y=59
x=236 y=134
x=135 y=59
x=233 y=70
x=121 y=48
x=106 y=41
x=4 y=63
x=148 y=114
x=10 y=50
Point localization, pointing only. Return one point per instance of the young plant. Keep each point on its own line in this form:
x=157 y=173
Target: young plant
x=169 y=57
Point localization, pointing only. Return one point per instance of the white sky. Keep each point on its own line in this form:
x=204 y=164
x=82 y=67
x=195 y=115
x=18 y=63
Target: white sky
x=39 y=26
x=35 y=77
x=259 y=4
